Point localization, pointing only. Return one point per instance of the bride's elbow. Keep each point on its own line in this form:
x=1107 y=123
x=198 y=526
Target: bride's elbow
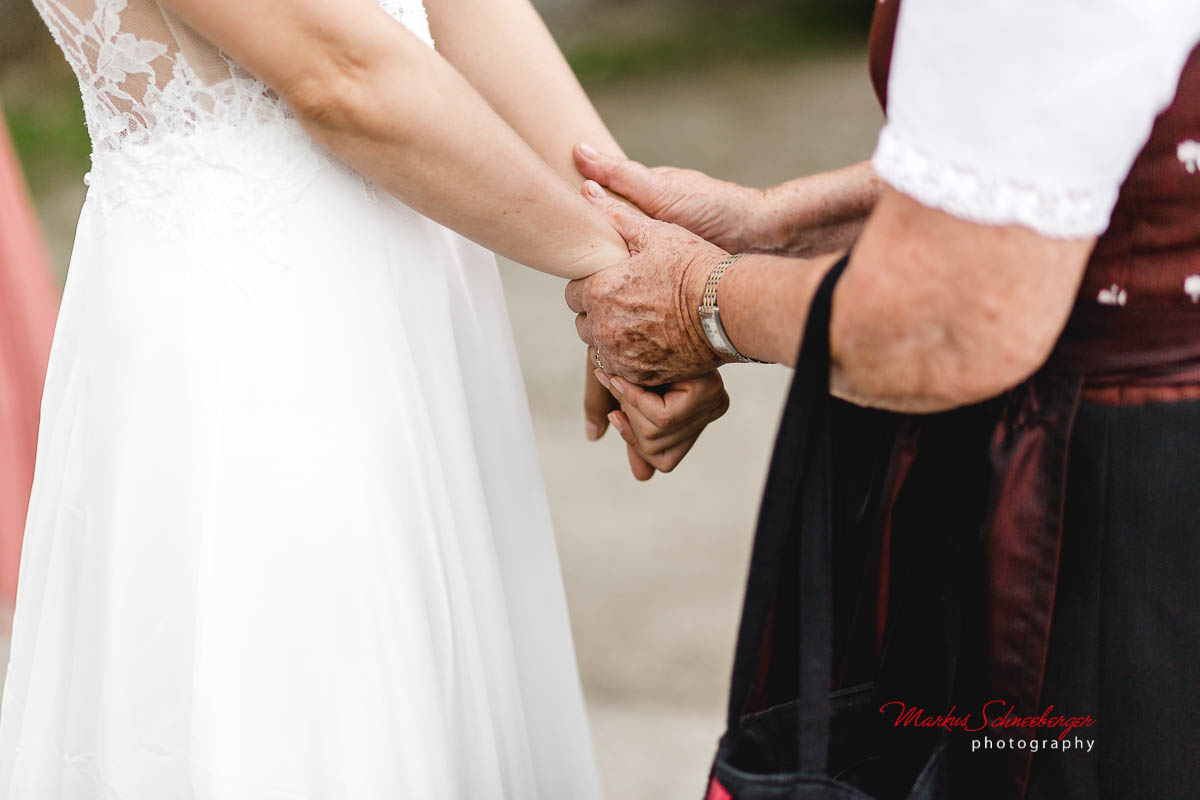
x=338 y=92
x=330 y=96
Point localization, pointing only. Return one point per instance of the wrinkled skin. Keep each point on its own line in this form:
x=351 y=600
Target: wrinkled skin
x=642 y=313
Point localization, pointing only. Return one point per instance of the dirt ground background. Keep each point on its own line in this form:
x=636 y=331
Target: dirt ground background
x=654 y=571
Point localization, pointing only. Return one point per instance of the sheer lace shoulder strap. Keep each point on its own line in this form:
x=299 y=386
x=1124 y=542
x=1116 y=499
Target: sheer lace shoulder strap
x=142 y=69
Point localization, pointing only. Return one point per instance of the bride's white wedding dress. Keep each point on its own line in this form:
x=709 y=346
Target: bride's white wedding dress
x=288 y=537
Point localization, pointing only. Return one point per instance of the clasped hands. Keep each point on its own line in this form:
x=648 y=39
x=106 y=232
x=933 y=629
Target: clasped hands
x=641 y=315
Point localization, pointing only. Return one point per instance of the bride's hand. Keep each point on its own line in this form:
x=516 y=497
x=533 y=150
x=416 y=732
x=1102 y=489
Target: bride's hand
x=659 y=425
x=598 y=401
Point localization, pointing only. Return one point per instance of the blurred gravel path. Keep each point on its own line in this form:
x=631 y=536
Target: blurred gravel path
x=654 y=572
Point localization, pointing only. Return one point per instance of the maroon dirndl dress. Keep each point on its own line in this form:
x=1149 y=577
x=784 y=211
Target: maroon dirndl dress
x=1069 y=508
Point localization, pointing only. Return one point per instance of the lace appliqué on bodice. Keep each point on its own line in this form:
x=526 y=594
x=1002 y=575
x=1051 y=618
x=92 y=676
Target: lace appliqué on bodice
x=137 y=78
x=173 y=121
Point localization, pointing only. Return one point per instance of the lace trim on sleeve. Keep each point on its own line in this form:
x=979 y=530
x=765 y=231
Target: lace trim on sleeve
x=989 y=199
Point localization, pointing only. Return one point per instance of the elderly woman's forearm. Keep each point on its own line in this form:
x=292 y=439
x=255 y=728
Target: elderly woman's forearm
x=816 y=214
x=888 y=350
x=764 y=301
x=933 y=312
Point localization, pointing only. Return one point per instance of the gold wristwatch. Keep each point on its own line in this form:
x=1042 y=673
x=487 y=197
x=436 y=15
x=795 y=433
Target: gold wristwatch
x=710 y=315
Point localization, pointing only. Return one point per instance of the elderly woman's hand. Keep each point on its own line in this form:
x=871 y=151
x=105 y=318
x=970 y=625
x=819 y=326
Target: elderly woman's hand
x=641 y=315
x=724 y=213
x=806 y=217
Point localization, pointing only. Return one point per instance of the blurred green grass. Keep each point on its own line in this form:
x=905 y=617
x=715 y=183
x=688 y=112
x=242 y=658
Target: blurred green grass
x=48 y=131
x=710 y=39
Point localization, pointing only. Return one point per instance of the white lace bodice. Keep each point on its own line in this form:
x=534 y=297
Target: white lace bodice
x=185 y=141
x=144 y=73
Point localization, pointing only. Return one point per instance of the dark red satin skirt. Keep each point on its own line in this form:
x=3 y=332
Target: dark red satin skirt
x=1125 y=642
x=1075 y=526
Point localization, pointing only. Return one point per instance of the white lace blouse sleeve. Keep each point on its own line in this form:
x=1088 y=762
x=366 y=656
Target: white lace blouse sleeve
x=1028 y=112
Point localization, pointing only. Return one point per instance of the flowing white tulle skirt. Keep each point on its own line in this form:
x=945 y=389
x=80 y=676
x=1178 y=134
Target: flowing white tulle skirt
x=288 y=537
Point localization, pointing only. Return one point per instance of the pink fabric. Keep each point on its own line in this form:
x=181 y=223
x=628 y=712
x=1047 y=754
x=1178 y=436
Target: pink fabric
x=28 y=307
x=717 y=792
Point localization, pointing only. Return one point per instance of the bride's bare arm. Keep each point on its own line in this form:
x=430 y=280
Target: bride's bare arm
x=376 y=96
x=504 y=50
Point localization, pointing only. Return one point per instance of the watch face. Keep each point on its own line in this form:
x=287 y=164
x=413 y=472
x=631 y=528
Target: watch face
x=711 y=323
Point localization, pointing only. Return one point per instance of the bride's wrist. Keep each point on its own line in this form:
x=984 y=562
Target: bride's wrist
x=594 y=256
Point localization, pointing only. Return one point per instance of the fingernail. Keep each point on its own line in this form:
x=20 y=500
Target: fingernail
x=616 y=421
x=602 y=376
x=616 y=385
x=593 y=189
x=587 y=150
x=593 y=431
